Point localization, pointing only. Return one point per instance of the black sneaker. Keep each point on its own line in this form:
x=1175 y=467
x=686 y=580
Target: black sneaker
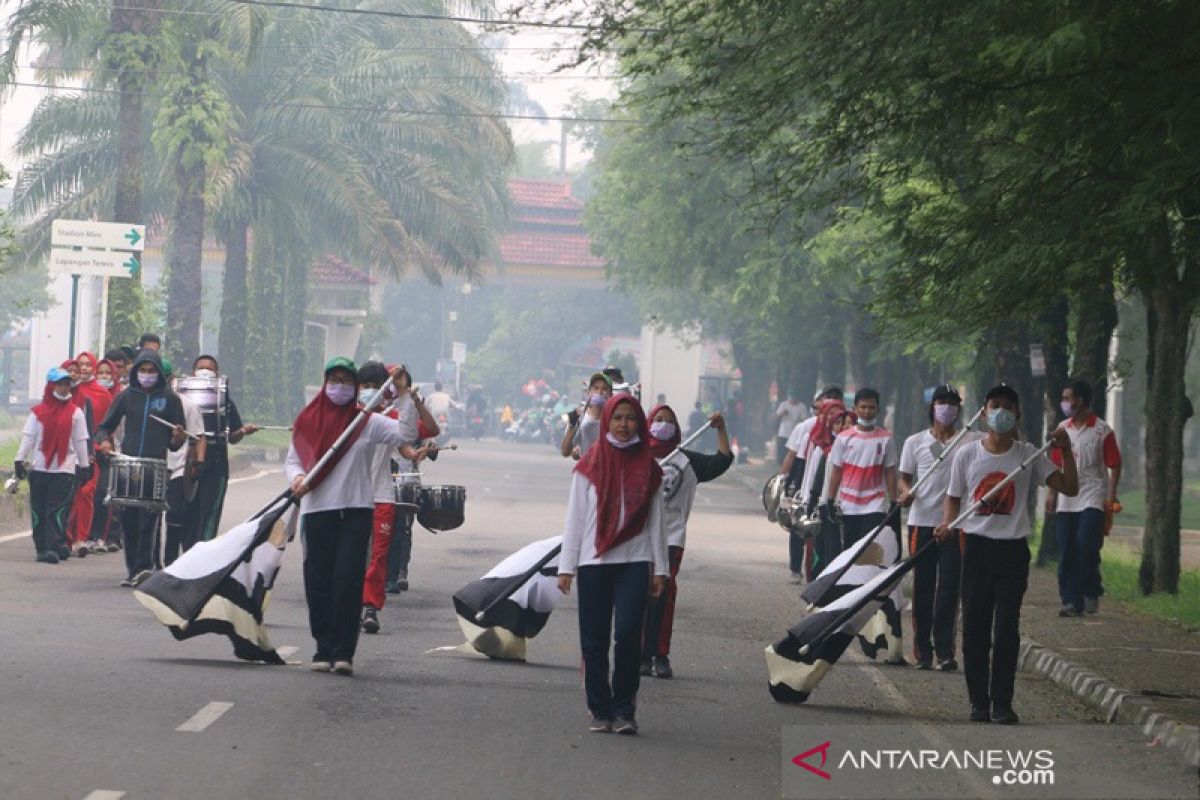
x=47 y=557
x=141 y=577
x=896 y=662
x=924 y=664
x=370 y=620
x=402 y=585
x=113 y=547
x=392 y=588
x=1091 y=605
x=127 y=582
x=625 y=725
x=64 y=553
x=949 y=665
x=662 y=667
x=1004 y=715
x=1069 y=611
x=980 y=714
x=600 y=725
x=647 y=668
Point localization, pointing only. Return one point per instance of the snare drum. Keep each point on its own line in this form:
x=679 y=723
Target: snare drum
x=208 y=394
x=137 y=483
x=408 y=494
x=442 y=508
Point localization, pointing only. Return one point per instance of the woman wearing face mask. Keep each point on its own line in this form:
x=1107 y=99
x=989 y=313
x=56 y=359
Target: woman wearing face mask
x=687 y=469
x=995 y=565
x=94 y=399
x=936 y=576
x=55 y=436
x=614 y=539
x=105 y=523
x=336 y=507
x=583 y=430
x=832 y=419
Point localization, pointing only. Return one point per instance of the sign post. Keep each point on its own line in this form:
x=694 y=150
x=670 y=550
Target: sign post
x=104 y=249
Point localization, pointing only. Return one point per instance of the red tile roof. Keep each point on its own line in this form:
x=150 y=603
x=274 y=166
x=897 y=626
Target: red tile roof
x=548 y=249
x=542 y=194
x=331 y=269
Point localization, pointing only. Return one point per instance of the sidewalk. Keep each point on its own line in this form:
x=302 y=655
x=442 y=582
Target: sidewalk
x=1131 y=667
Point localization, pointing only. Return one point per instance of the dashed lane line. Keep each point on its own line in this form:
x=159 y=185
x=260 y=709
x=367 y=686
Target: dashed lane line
x=205 y=717
x=104 y=794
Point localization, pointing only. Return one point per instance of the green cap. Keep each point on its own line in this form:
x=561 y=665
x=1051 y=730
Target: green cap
x=168 y=369
x=341 y=362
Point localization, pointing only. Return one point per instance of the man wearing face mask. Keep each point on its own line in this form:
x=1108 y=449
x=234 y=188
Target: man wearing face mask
x=1079 y=520
x=148 y=394
x=195 y=450
x=55 y=438
x=220 y=431
x=936 y=576
x=862 y=471
x=584 y=429
x=995 y=563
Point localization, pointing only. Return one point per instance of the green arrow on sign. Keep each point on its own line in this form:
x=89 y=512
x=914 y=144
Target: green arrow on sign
x=133 y=236
x=132 y=263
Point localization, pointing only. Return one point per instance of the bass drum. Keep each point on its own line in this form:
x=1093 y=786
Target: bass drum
x=772 y=493
x=442 y=508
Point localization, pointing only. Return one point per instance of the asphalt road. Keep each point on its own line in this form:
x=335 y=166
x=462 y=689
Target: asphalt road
x=93 y=692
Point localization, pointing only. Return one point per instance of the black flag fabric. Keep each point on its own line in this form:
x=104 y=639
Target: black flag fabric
x=223 y=586
x=823 y=589
x=792 y=674
x=515 y=599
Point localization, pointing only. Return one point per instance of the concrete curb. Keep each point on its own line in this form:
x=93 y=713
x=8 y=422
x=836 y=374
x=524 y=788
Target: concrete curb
x=1119 y=705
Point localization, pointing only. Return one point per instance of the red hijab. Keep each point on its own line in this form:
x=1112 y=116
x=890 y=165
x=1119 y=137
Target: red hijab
x=318 y=426
x=56 y=417
x=628 y=476
x=822 y=432
x=116 y=387
x=93 y=392
x=661 y=448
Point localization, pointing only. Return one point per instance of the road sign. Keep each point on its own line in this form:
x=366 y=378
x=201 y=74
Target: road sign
x=93 y=262
x=104 y=235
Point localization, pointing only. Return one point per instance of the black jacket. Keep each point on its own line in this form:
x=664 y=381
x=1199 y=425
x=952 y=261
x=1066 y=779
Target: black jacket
x=144 y=438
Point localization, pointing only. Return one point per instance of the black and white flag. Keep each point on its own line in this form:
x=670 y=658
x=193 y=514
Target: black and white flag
x=792 y=674
x=223 y=585
x=501 y=611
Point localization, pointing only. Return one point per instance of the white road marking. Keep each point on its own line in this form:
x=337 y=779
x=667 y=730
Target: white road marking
x=205 y=717
x=261 y=473
x=104 y=794
x=12 y=537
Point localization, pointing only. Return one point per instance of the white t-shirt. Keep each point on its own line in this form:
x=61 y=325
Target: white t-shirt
x=799 y=441
x=31 y=445
x=793 y=412
x=1096 y=451
x=920 y=452
x=976 y=471
x=587 y=434
x=678 y=507
x=349 y=484
x=193 y=422
x=579 y=534
x=863 y=456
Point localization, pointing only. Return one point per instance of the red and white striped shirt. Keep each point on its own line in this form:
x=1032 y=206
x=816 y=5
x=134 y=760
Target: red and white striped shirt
x=1096 y=452
x=863 y=456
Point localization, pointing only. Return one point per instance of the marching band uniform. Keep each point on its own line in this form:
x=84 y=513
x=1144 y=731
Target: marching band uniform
x=177 y=502
x=825 y=546
x=336 y=510
x=416 y=424
x=55 y=436
x=683 y=472
x=146 y=394
x=613 y=539
x=94 y=400
x=204 y=512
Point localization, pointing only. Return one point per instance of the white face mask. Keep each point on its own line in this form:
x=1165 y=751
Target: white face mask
x=64 y=396
x=617 y=443
x=663 y=431
x=205 y=373
x=107 y=383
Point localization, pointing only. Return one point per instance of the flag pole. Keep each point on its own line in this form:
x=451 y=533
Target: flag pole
x=908 y=563
x=686 y=442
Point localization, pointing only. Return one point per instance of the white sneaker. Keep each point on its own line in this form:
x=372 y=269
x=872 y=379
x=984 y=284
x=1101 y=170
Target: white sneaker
x=320 y=666
x=343 y=668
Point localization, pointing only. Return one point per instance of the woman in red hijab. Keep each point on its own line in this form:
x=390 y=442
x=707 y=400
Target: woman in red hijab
x=613 y=540
x=94 y=399
x=832 y=419
x=55 y=438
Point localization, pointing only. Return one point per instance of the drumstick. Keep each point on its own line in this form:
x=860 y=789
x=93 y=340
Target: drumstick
x=192 y=436
x=274 y=427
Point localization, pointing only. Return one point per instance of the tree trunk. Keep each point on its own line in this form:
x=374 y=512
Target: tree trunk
x=264 y=335
x=831 y=348
x=132 y=21
x=185 y=252
x=295 y=298
x=1054 y=346
x=233 y=303
x=860 y=343
x=1095 y=322
x=1170 y=295
x=1012 y=368
x=756 y=379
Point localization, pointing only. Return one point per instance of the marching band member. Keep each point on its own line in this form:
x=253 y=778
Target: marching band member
x=105 y=533
x=614 y=539
x=336 y=509
x=862 y=470
x=692 y=469
x=583 y=430
x=371 y=376
x=936 y=575
x=204 y=512
x=832 y=419
x=143 y=438
x=55 y=436
x=94 y=399
x=190 y=457
x=798 y=447
x=995 y=564
x=418 y=425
